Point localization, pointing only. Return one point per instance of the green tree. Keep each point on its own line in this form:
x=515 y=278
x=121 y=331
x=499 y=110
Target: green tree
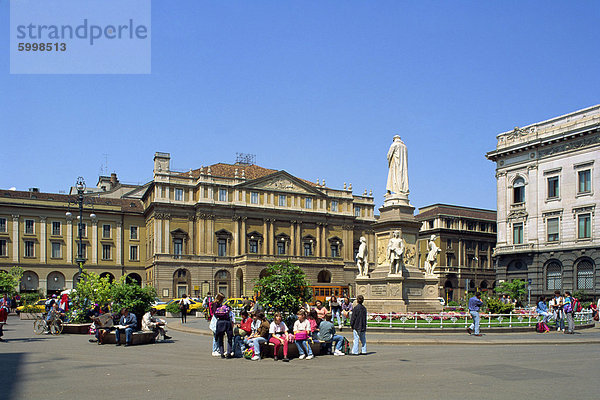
x=516 y=289
x=135 y=298
x=9 y=280
x=283 y=288
x=91 y=289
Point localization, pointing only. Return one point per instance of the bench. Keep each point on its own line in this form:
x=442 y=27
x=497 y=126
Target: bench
x=267 y=349
x=139 y=337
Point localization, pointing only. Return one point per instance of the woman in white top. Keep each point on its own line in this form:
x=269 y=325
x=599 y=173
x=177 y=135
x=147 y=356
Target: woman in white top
x=184 y=304
x=279 y=336
x=301 y=334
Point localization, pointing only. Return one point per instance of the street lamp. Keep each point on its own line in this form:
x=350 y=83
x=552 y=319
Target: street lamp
x=80 y=260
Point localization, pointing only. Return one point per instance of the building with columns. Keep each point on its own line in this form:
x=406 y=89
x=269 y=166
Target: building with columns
x=211 y=229
x=466 y=237
x=547 y=187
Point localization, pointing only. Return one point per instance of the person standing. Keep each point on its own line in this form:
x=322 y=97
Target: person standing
x=336 y=310
x=358 y=322
x=556 y=305
x=3 y=318
x=184 y=305
x=475 y=304
x=569 y=312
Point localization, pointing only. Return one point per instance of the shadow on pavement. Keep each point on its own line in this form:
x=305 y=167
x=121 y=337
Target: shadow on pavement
x=11 y=364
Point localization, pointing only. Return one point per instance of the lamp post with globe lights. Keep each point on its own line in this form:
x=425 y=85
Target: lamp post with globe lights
x=80 y=260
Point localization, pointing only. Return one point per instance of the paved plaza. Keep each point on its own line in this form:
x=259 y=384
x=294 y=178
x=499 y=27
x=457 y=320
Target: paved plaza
x=68 y=367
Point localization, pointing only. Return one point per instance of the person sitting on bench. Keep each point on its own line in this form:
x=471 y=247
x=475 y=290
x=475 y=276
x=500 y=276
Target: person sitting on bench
x=327 y=335
x=127 y=323
x=152 y=324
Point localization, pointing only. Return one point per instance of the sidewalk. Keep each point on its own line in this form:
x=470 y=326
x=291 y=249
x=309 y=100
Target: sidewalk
x=199 y=326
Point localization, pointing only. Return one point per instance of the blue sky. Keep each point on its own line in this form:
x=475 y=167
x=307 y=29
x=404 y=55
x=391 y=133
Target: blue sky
x=317 y=88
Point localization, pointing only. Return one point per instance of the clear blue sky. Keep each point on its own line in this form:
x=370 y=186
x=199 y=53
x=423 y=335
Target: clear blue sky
x=316 y=88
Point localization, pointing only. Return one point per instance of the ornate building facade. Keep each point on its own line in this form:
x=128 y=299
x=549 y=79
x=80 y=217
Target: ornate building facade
x=547 y=185
x=466 y=238
x=211 y=229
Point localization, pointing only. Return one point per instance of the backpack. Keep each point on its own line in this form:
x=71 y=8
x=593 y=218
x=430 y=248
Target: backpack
x=576 y=305
x=346 y=349
x=249 y=353
x=541 y=327
x=222 y=312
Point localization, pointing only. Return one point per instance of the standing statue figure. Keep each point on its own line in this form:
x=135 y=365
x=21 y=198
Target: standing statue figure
x=361 y=258
x=397 y=157
x=395 y=250
x=431 y=260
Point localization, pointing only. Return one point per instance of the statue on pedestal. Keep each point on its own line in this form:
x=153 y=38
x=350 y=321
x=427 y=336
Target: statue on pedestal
x=395 y=250
x=431 y=260
x=361 y=258
x=397 y=157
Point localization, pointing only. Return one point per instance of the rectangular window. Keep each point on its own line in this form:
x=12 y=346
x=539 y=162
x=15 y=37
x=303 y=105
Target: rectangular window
x=177 y=247
x=253 y=246
x=254 y=197
x=133 y=253
x=585 y=181
x=29 y=223
x=357 y=211
x=448 y=243
x=106 y=231
x=3 y=248
x=483 y=227
x=56 y=228
x=2 y=224
x=178 y=194
x=133 y=232
x=334 y=205
x=308 y=202
x=430 y=224
x=483 y=246
x=81 y=250
x=280 y=248
x=335 y=250
x=222 y=247
x=448 y=224
x=282 y=200
x=517 y=233
x=553 y=187
x=584 y=226
x=449 y=260
x=222 y=194
x=82 y=228
x=29 y=248
x=55 y=250
x=552 y=229
x=106 y=251
x=308 y=249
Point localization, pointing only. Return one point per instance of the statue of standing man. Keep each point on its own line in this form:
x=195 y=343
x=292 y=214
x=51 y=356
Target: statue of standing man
x=361 y=258
x=395 y=252
x=431 y=260
x=397 y=157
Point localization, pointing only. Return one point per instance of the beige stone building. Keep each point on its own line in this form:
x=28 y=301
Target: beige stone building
x=211 y=229
x=466 y=237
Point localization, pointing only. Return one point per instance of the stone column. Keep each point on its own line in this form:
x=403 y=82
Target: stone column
x=42 y=240
x=15 y=237
x=167 y=237
x=200 y=232
x=157 y=229
x=292 y=249
x=191 y=241
x=489 y=256
x=265 y=236
x=324 y=240
x=94 y=241
x=299 y=238
x=272 y=246
x=210 y=235
x=119 y=243
x=243 y=241
x=318 y=244
x=236 y=235
x=69 y=240
x=460 y=245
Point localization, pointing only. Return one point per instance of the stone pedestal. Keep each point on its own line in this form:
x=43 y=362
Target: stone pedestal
x=410 y=292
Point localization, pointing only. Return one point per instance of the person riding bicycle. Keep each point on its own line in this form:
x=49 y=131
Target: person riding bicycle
x=55 y=313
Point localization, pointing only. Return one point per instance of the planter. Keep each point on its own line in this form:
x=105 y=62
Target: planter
x=30 y=316
x=171 y=315
x=76 y=329
x=199 y=314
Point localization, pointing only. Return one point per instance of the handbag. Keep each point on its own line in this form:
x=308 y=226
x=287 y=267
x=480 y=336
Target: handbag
x=302 y=335
x=213 y=324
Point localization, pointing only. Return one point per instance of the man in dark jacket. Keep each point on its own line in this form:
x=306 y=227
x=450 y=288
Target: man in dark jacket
x=358 y=322
x=128 y=323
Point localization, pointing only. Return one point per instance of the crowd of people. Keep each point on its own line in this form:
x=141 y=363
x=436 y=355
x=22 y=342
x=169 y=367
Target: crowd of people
x=248 y=337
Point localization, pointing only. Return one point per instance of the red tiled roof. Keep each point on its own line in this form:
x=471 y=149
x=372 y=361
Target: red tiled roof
x=131 y=205
x=456 y=211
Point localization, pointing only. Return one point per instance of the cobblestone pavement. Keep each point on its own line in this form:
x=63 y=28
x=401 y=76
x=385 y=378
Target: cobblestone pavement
x=69 y=367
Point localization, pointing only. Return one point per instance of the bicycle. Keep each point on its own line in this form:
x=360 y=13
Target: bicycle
x=41 y=325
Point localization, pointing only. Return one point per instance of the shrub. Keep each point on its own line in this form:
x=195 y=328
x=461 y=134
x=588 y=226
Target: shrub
x=91 y=289
x=9 y=280
x=453 y=303
x=30 y=298
x=173 y=308
x=136 y=299
x=495 y=306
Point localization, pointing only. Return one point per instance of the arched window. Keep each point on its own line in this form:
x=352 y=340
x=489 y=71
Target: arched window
x=553 y=276
x=585 y=274
x=519 y=191
x=324 y=277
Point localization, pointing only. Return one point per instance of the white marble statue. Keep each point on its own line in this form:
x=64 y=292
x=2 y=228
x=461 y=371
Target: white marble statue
x=397 y=157
x=431 y=260
x=361 y=258
x=395 y=250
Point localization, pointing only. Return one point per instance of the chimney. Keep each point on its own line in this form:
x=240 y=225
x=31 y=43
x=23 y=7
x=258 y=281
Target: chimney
x=34 y=190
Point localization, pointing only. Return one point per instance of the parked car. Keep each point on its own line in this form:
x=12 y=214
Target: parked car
x=235 y=302
x=40 y=306
x=194 y=306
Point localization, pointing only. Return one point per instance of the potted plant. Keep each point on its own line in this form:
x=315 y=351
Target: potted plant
x=29 y=312
x=172 y=310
